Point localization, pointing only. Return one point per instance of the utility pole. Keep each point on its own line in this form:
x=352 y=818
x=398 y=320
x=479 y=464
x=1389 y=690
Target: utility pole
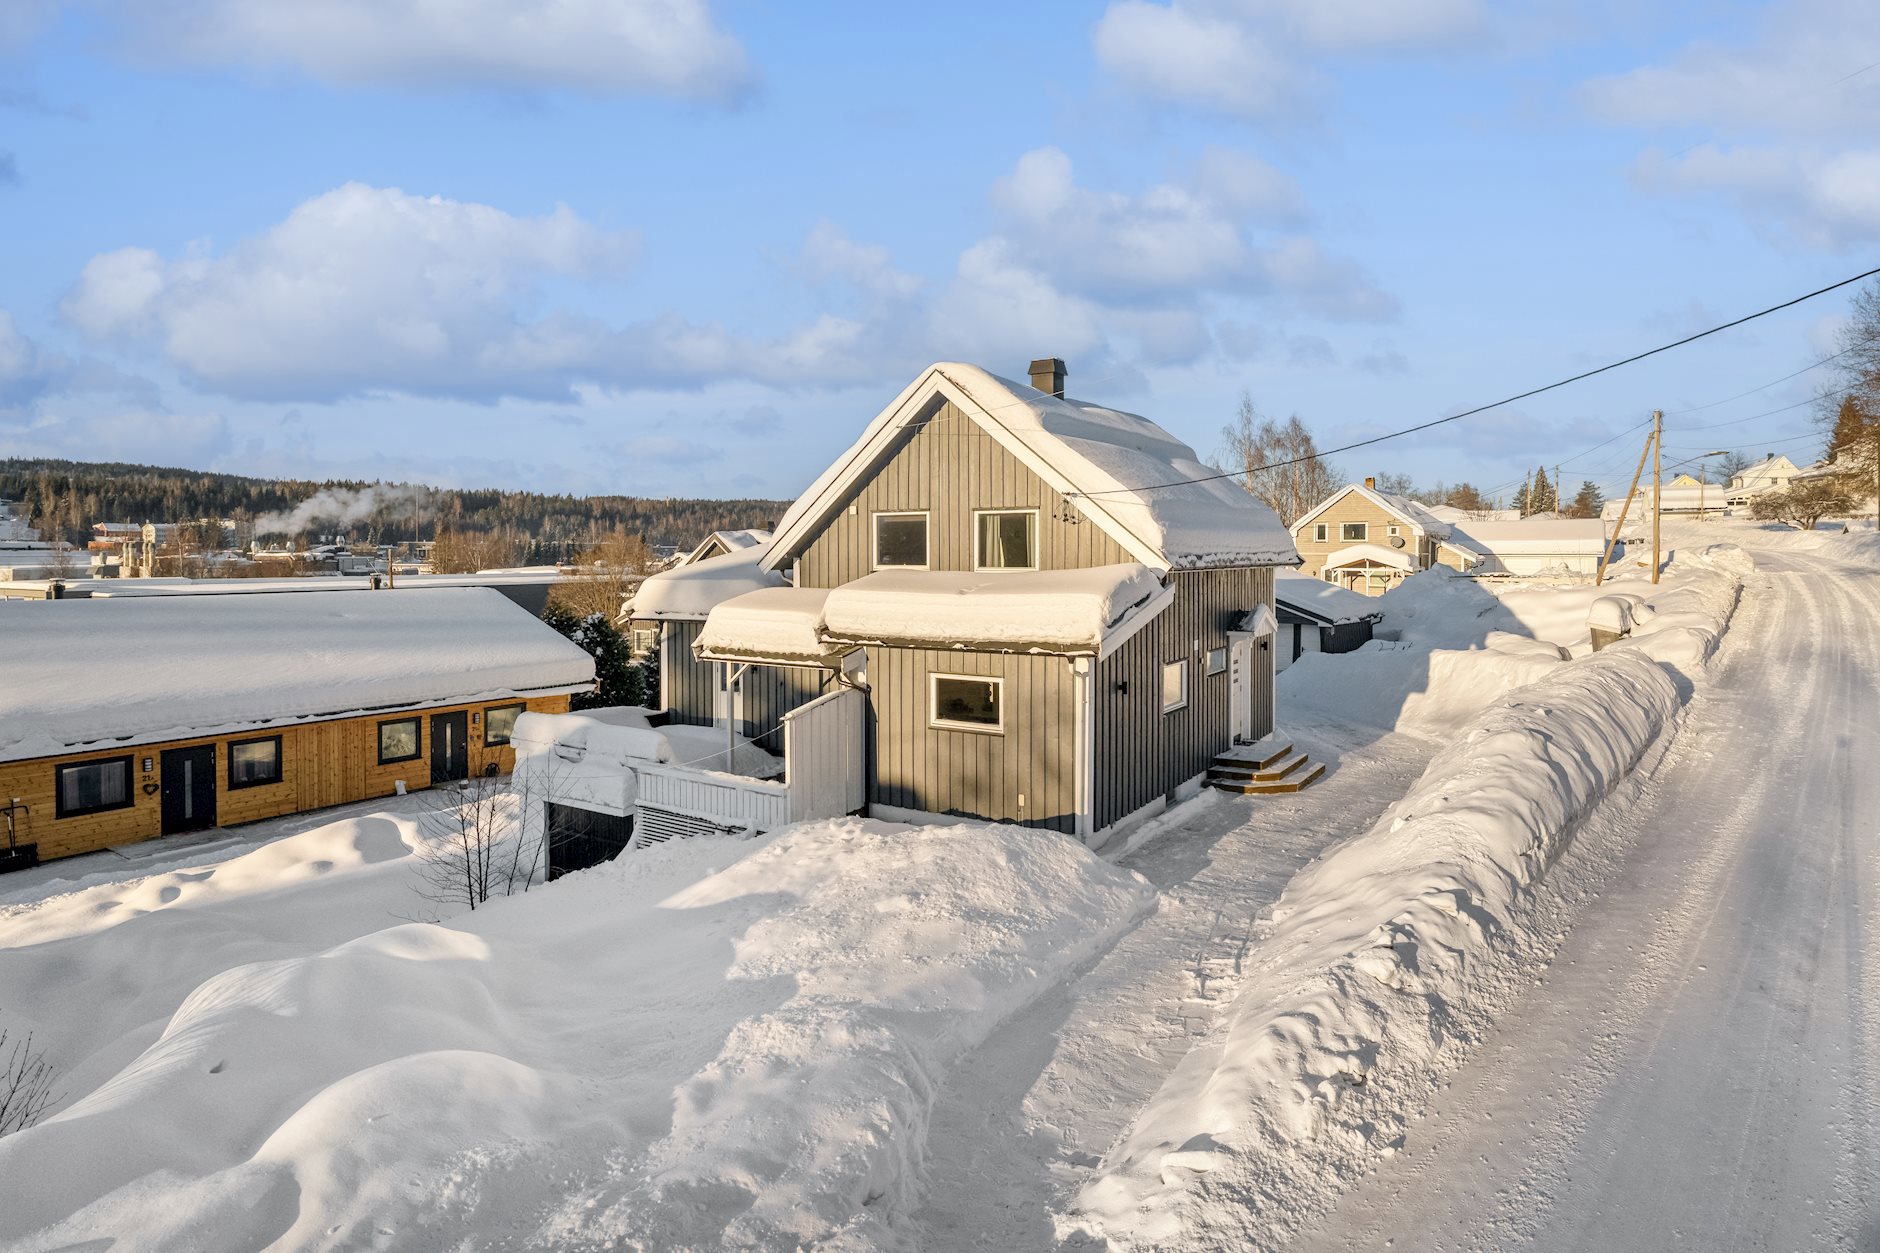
x=1618 y=528
x=1658 y=487
x=1556 y=489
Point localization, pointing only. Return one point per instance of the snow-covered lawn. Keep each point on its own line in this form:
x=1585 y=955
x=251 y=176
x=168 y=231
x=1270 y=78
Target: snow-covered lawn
x=715 y=1041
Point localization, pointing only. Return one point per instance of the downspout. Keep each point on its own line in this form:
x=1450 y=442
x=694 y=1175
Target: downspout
x=1083 y=745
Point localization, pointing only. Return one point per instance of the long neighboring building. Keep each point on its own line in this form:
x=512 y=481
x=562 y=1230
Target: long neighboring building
x=123 y=719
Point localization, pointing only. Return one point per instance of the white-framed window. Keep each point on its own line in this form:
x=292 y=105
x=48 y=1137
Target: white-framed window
x=967 y=702
x=1354 y=532
x=1318 y=533
x=900 y=541
x=1174 y=686
x=1395 y=530
x=1005 y=539
x=1217 y=661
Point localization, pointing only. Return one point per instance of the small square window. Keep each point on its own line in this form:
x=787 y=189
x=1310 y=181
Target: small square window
x=901 y=541
x=1356 y=532
x=1395 y=530
x=1318 y=533
x=968 y=703
x=1174 y=686
x=1217 y=660
x=252 y=763
x=499 y=724
x=1007 y=540
x=398 y=741
x=92 y=787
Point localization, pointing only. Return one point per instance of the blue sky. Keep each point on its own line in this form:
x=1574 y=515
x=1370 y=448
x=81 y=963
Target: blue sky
x=677 y=247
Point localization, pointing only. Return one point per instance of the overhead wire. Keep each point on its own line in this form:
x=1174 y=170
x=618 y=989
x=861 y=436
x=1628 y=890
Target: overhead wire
x=1507 y=400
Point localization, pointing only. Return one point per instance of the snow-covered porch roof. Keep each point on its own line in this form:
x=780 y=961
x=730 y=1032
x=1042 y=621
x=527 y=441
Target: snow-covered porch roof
x=1065 y=612
x=1370 y=554
x=688 y=593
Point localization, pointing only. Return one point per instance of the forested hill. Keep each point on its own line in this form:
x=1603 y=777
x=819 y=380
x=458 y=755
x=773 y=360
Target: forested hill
x=66 y=497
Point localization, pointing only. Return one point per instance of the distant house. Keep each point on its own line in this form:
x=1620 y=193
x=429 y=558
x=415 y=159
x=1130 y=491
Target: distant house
x=723 y=543
x=1685 y=480
x=1368 y=541
x=1537 y=546
x=1319 y=617
x=999 y=603
x=1770 y=473
x=127 y=718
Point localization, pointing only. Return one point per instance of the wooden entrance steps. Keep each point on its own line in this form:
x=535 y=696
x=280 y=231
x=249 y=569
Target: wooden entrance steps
x=1263 y=769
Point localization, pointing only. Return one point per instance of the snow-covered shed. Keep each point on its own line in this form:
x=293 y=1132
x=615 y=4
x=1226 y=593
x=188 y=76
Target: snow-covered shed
x=1319 y=617
x=122 y=719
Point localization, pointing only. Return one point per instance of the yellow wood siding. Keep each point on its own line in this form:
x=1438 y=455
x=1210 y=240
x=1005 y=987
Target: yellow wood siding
x=949 y=467
x=1353 y=507
x=322 y=764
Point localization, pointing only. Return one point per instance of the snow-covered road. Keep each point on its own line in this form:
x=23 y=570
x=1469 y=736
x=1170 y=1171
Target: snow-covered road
x=1701 y=1067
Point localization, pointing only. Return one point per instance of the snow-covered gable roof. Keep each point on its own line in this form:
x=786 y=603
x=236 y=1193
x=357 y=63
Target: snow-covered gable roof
x=719 y=543
x=1401 y=507
x=1125 y=473
x=1067 y=612
x=102 y=673
x=1322 y=602
x=689 y=592
x=1377 y=554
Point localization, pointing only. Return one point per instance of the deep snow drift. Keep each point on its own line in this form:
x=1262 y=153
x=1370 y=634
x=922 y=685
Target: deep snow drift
x=711 y=1043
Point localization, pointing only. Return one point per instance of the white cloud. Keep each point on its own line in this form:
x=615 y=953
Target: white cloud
x=361 y=288
x=1787 y=116
x=1253 y=57
x=138 y=435
x=1799 y=74
x=829 y=254
x=1824 y=199
x=1173 y=242
x=662 y=47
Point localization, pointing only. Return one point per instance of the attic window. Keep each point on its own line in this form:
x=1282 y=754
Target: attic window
x=1396 y=530
x=901 y=541
x=1354 y=532
x=1318 y=533
x=1006 y=540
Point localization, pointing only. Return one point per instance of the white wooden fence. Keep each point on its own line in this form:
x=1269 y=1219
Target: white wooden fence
x=825 y=752
x=727 y=800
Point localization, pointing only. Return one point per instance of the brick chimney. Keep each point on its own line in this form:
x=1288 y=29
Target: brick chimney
x=1370 y=483
x=1047 y=375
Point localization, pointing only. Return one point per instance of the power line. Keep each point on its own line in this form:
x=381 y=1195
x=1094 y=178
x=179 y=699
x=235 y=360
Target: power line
x=1785 y=378
x=1507 y=400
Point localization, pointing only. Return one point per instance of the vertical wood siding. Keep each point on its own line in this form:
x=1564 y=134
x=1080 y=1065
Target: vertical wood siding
x=1140 y=753
x=949 y=467
x=322 y=764
x=968 y=772
x=689 y=687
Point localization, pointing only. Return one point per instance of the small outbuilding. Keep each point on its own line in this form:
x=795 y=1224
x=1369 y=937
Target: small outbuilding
x=1319 y=617
x=124 y=719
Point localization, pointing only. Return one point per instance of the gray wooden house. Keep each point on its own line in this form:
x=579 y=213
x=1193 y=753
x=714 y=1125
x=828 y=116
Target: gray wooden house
x=1057 y=615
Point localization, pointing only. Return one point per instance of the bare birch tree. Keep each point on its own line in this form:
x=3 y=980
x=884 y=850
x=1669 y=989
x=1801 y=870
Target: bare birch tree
x=1278 y=462
x=480 y=845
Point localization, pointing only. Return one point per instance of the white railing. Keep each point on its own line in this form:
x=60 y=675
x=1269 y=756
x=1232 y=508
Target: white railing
x=725 y=799
x=824 y=751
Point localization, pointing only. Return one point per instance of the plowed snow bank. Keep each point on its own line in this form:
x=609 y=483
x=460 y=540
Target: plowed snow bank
x=1396 y=943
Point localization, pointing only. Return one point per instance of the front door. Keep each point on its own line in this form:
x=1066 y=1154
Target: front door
x=188 y=788
x=1240 y=685
x=450 y=747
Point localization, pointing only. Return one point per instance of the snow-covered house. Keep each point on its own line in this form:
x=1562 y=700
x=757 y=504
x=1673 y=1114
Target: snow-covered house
x=1319 y=617
x=1537 y=546
x=998 y=603
x=722 y=543
x=1774 y=471
x=1369 y=541
x=123 y=719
